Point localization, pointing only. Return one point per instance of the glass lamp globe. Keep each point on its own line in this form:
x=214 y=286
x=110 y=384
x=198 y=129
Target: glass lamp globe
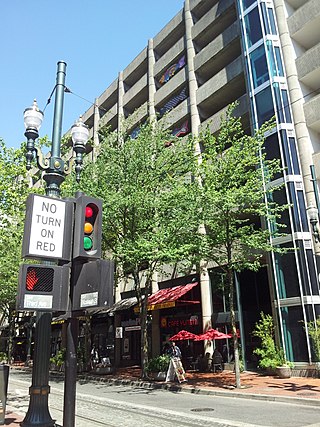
x=33 y=117
x=79 y=133
x=313 y=214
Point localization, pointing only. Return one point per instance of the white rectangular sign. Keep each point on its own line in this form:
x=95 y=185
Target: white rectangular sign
x=88 y=300
x=38 y=302
x=47 y=227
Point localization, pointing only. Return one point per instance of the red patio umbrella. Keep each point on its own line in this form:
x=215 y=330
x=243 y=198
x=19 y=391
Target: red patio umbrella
x=212 y=334
x=183 y=335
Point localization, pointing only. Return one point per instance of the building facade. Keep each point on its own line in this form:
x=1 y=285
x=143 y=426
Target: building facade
x=264 y=54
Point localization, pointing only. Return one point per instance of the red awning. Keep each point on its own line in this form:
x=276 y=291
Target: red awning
x=167 y=297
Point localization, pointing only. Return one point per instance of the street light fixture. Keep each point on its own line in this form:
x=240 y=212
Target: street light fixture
x=313 y=215
x=80 y=136
x=55 y=170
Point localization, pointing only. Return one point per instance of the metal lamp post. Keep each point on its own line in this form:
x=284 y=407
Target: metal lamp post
x=55 y=171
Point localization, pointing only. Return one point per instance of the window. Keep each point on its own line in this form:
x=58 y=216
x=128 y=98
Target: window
x=247 y=3
x=253 y=27
x=287 y=275
x=264 y=103
x=278 y=102
x=294 y=156
x=303 y=211
x=259 y=66
x=285 y=147
x=274 y=59
x=279 y=196
x=273 y=151
x=279 y=61
x=272 y=21
x=268 y=20
x=286 y=105
x=291 y=157
x=294 y=334
x=282 y=102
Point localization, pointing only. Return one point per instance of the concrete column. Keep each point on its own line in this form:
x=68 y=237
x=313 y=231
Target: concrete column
x=120 y=103
x=96 y=142
x=193 y=85
x=205 y=286
x=296 y=99
x=151 y=83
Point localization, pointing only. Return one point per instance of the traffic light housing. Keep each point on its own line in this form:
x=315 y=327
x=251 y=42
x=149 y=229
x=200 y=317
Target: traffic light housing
x=87 y=228
x=43 y=287
x=93 y=284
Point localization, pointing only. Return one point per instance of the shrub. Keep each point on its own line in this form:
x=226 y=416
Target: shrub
x=158 y=364
x=59 y=358
x=3 y=357
x=314 y=333
x=270 y=356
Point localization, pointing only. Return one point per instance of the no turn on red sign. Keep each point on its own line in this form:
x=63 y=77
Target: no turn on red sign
x=48 y=228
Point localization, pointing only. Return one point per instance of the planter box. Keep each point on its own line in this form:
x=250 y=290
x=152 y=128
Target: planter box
x=283 y=372
x=158 y=376
x=104 y=370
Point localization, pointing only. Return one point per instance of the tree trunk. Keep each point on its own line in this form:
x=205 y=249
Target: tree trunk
x=230 y=280
x=143 y=311
x=11 y=320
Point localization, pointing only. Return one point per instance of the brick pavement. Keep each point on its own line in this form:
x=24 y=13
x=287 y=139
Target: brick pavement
x=254 y=385
x=251 y=382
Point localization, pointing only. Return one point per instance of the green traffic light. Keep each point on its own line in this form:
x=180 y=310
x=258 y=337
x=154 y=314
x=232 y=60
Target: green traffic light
x=87 y=243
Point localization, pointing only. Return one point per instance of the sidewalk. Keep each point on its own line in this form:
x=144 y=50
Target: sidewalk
x=302 y=390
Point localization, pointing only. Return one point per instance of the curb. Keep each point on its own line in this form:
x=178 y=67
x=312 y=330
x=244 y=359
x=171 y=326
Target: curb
x=205 y=391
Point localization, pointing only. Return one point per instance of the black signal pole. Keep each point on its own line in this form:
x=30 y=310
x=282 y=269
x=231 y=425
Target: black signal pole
x=55 y=171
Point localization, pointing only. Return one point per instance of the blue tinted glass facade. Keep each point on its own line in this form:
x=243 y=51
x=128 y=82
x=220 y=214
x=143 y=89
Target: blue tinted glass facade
x=294 y=273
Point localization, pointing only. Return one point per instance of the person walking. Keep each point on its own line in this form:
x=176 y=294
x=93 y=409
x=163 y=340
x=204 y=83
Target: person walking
x=174 y=350
x=175 y=368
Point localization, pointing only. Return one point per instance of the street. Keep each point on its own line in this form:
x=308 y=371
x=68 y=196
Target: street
x=102 y=404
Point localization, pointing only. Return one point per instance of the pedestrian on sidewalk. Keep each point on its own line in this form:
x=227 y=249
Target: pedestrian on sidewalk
x=175 y=368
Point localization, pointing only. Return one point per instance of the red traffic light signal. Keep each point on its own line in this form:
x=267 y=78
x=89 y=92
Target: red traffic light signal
x=87 y=228
x=44 y=288
x=39 y=279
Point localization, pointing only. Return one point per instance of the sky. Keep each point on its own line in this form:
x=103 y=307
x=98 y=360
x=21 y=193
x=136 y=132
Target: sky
x=96 y=38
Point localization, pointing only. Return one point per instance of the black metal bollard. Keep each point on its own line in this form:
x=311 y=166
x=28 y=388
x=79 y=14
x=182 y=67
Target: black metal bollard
x=4 y=378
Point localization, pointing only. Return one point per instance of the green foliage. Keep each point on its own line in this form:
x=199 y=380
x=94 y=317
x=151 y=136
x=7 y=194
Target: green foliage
x=235 y=178
x=158 y=364
x=3 y=357
x=149 y=205
x=14 y=189
x=59 y=358
x=270 y=356
x=234 y=173
x=314 y=333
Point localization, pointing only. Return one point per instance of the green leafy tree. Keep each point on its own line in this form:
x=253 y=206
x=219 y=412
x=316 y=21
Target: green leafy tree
x=150 y=212
x=14 y=189
x=234 y=176
x=314 y=333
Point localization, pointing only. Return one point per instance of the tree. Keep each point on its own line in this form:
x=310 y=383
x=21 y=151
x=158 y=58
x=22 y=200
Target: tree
x=234 y=174
x=13 y=192
x=150 y=214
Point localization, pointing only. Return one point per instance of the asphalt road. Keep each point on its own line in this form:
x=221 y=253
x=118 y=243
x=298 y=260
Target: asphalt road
x=101 y=404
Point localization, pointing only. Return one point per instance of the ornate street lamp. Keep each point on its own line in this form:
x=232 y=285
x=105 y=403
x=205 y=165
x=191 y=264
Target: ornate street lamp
x=313 y=215
x=55 y=169
x=80 y=136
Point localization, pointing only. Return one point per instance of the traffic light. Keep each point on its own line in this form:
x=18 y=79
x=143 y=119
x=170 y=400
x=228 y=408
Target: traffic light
x=87 y=228
x=44 y=288
x=93 y=284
